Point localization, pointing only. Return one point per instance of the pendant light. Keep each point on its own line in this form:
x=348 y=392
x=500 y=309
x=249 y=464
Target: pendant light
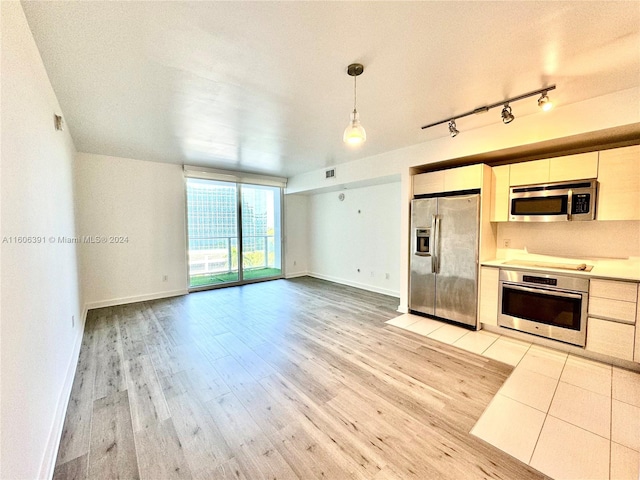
x=354 y=134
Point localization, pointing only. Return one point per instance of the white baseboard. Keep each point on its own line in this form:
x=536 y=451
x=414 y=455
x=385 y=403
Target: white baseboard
x=137 y=298
x=296 y=274
x=370 y=288
x=402 y=309
x=48 y=464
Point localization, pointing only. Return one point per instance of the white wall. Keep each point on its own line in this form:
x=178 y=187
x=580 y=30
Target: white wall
x=144 y=202
x=296 y=238
x=360 y=232
x=39 y=282
x=585 y=240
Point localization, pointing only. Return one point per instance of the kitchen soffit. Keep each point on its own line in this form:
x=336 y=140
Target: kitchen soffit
x=261 y=86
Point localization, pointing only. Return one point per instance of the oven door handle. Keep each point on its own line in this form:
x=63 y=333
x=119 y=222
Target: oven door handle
x=556 y=293
x=569 y=203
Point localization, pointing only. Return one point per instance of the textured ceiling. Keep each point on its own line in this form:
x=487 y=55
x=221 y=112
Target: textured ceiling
x=262 y=86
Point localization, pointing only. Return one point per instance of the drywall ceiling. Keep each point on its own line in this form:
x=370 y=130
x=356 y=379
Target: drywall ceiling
x=262 y=86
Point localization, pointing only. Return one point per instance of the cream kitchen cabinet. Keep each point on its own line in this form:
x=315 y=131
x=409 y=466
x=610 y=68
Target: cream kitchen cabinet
x=611 y=323
x=488 y=295
x=619 y=184
x=451 y=180
x=573 y=167
x=527 y=173
x=432 y=182
x=558 y=169
x=610 y=338
x=500 y=193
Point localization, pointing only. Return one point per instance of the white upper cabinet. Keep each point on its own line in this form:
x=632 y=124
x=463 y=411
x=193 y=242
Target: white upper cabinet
x=619 y=184
x=500 y=193
x=573 y=167
x=432 y=182
x=529 y=173
x=463 y=178
x=452 y=180
x=558 y=169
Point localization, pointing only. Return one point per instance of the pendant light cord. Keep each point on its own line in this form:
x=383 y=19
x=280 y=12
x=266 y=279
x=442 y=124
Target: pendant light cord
x=355 y=92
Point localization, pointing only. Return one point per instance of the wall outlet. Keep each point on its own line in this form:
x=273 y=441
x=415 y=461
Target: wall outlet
x=372 y=274
x=295 y=263
x=73 y=321
x=507 y=243
x=387 y=276
x=358 y=270
x=165 y=278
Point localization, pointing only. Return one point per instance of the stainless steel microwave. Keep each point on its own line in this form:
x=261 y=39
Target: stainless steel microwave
x=553 y=202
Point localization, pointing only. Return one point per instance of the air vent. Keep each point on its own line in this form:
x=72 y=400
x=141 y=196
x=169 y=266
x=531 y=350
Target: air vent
x=330 y=173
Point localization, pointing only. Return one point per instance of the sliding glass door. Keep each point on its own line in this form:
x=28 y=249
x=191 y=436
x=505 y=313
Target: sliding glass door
x=231 y=241
x=261 y=246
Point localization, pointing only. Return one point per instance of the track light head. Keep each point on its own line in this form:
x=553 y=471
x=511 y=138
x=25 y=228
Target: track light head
x=544 y=102
x=453 y=131
x=507 y=116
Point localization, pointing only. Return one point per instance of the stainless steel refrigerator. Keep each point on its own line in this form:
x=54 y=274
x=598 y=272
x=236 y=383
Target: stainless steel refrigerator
x=444 y=257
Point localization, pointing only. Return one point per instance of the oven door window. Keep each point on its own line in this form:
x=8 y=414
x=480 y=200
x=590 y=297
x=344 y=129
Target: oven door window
x=555 y=205
x=542 y=307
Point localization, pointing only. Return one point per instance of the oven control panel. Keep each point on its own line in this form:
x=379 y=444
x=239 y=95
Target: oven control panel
x=540 y=280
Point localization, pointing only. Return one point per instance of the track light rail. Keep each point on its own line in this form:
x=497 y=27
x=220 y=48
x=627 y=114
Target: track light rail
x=486 y=108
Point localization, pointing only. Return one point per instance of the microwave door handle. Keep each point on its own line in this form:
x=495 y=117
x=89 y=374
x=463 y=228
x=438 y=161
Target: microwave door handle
x=554 y=293
x=569 y=203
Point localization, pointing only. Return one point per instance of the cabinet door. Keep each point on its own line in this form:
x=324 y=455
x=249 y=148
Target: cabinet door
x=500 y=193
x=489 y=285
x=612 y=309
x=463 y=178
x=619 y=184
x=527 y=173
x=573 y=167
x=613 y=289
x=610 y=338
x=432 y=182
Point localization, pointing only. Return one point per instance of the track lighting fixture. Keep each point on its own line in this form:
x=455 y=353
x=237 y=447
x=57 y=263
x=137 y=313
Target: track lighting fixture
x=507 y=115
x=453 y=131
x=544 y=103
x=354 y=134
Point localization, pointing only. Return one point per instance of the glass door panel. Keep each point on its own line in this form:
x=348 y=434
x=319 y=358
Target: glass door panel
x=212 y=223
x=261 y=232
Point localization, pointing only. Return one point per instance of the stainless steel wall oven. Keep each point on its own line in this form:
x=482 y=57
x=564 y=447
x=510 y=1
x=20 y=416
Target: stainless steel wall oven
x=548 y=305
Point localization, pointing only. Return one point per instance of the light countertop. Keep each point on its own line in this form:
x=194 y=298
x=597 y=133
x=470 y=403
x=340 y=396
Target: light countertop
x=611 y=269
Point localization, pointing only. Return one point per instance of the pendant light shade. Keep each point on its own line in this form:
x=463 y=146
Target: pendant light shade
x=354 y=134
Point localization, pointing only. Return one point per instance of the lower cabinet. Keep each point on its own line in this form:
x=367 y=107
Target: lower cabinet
x=488 y=297
x=610 y=338
x=611 y=325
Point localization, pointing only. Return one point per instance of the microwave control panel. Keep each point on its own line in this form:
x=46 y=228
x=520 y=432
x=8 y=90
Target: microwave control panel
x=581 y=203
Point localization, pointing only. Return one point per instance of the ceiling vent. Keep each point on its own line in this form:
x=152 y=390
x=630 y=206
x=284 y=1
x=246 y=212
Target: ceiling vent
x=330 y=173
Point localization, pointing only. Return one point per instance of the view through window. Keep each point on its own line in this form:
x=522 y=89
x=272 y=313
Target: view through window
x=216 y=222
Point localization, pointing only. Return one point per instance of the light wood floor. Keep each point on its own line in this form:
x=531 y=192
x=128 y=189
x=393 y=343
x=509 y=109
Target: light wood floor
x=277 y=380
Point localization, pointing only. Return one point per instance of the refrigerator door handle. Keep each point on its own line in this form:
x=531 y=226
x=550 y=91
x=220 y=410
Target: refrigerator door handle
x=435 y=265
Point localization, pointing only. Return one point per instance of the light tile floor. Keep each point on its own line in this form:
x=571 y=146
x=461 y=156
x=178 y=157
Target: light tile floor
x=569 y=417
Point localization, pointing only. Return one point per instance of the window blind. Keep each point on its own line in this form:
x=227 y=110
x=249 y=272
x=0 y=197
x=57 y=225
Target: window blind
x=231 y=176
